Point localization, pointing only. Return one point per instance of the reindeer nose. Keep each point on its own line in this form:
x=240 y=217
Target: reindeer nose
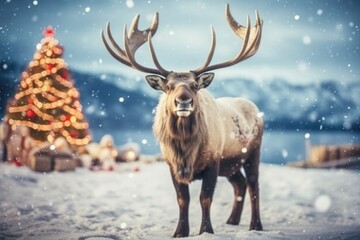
x=181 y=101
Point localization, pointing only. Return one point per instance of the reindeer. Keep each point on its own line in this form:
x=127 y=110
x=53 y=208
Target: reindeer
x=202 y=137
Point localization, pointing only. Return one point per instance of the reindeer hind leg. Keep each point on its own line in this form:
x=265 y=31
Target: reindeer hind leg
x=251 y=168
x=238 y=181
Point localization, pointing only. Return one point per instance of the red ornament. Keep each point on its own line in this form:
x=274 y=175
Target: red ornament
x=16 y=163
x=30 y=113
x=67 y=117
x=65 y=74
x=73 y=133
x=49 y=31
x=30 y=101
x=49 y=66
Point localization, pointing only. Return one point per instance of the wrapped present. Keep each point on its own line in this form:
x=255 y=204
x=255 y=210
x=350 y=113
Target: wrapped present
x=64 y=162
x=63 y=157
x=41 y=161
x=17 y=143
x=52 y=156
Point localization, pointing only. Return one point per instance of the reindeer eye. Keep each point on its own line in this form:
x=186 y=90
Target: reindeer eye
x=168 y=88
x=195 y=86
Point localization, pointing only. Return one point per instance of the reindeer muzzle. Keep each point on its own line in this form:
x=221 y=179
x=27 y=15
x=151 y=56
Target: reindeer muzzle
x=183 y=107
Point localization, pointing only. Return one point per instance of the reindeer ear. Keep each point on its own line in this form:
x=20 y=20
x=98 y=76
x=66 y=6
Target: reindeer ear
x=205 y=79
x=156 y=82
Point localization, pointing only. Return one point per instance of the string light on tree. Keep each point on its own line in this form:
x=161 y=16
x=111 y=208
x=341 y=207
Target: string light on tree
x=47 y=101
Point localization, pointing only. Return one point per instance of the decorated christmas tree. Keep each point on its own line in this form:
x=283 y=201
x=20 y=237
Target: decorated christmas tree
x=47 y=101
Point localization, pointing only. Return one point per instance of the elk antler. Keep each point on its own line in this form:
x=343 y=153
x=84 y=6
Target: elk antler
x=132 y=41
x=251 y=37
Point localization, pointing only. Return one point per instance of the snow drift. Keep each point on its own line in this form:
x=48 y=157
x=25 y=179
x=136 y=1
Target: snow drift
x=137 y=201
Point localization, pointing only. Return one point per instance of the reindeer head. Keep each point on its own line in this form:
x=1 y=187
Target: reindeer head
x=181 y=88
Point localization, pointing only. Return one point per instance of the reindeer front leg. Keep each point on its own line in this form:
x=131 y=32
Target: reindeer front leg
x=207 y=190
x=183 y=198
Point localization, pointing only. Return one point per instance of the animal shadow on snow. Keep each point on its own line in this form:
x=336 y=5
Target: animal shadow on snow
x=113 y=237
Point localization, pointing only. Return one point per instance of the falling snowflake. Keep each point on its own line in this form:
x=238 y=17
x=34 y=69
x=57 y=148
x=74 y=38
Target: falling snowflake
x=319 y=12
x=306 y=40
x=123 y=225
x=87 y=9
x=322 y=203
x=284 y=153
x=296 y=17
x=130 y=3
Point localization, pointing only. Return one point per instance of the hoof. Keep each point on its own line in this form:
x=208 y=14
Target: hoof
x=178 y=233
x=233 y=221
x=207 y=230
x=256 y=226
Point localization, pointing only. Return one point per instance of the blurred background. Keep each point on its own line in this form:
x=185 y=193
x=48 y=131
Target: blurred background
x=304 y=78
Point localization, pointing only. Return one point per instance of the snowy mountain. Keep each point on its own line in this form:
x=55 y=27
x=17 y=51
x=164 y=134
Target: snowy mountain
x=323 y=105
x=114 y=101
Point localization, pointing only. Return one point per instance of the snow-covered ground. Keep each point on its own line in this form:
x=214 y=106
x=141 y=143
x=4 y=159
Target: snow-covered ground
x=137 y=201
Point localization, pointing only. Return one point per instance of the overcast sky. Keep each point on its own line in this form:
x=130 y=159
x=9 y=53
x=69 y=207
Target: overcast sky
x=303 y=41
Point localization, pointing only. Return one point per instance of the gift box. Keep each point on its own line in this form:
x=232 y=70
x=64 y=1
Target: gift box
x=64 y=162
x=41 y=162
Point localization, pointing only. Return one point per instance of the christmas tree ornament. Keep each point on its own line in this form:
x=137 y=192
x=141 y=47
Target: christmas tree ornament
x=49 y=31
x=30 y=113
x=49 y=66
x=64 y=74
